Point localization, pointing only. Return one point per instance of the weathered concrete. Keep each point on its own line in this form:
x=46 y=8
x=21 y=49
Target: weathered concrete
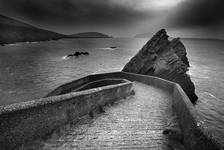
x=100 y=83
x=133 y=123
x=195 y=134
x=196 y=137
x=22 y=122
x=68 y=87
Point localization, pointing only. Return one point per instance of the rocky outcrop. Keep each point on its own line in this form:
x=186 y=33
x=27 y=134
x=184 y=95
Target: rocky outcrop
x=165 y=59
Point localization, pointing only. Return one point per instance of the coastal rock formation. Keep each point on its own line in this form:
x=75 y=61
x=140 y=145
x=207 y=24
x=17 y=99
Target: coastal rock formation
x=165 y=59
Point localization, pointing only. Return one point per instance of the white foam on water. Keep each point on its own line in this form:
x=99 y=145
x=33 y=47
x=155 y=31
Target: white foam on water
x=101 y=70
x=107 y=48
x=12 y=44
x=210 y=95
x=65 y=58
x=197 y=75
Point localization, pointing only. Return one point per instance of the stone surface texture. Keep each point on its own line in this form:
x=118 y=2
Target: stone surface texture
x=136 y=122
x=166 y=59
x=24 y=122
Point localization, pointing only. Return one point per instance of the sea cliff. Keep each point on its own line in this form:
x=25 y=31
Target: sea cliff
x=166 y=59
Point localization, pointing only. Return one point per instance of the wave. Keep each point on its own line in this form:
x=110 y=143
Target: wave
x=65 y=58
x=107 y=48
x=13 y=44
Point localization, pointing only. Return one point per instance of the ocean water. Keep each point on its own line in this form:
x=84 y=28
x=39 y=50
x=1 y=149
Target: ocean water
x=207 y=72
x=30 y=70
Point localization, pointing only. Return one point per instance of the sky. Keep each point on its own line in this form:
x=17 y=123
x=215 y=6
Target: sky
x=122 y=18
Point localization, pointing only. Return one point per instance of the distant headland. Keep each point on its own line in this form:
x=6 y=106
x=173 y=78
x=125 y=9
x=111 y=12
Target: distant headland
x=90 y=35
x=150 y=35
x=13 y=31
x=144 y=35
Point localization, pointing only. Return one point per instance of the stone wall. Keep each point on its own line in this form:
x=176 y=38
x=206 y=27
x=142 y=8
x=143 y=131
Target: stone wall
x=23 y=122
x=100 y=83
x=196 y=137
x=65 y=88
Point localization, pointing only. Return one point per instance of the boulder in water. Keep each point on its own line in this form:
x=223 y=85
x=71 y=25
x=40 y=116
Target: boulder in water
x=166 y=59
x=77 y=54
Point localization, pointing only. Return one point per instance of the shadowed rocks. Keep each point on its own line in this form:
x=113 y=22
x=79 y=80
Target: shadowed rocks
x=77 y=54
x=174 y=134
x=165 y=59
x=113 y=47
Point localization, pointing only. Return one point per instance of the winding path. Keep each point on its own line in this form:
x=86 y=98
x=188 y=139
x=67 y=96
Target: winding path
x=136 y=122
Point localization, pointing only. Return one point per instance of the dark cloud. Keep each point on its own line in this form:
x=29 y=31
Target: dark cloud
x=198 y=13
x=74 y=13
x=118 y=17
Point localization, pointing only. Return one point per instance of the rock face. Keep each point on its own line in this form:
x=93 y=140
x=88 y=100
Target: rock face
x=165 y=59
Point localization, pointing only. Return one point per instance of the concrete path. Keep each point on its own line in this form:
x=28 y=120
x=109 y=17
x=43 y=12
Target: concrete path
x=133 y=123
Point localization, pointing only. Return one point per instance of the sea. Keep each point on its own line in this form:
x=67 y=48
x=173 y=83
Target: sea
x=29 y=71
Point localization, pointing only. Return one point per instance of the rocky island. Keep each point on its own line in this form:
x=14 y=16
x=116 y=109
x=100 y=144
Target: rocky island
x=165 y=59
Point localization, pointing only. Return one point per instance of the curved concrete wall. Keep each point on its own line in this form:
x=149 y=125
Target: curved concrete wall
x=22 y=122
x=196 y=137
x=68 y=87
x=100 y=83
x=34 y=119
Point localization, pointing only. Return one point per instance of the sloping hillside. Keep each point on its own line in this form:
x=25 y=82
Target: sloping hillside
x=12 y=31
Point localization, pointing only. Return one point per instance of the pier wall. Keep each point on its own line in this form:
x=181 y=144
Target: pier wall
x=23 y=122
x=196 y=136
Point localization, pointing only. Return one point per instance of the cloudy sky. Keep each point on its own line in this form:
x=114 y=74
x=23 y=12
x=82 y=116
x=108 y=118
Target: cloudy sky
x=186 y=18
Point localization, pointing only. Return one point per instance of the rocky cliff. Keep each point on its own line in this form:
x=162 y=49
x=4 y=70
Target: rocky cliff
x=166 y=59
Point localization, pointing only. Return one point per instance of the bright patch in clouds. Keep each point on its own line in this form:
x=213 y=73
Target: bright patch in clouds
x=159 y=4
x=147 y=4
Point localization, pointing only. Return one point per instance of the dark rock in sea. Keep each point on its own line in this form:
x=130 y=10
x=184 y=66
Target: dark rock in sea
x=77 y=54
x=165 y=59
x=113 y=47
